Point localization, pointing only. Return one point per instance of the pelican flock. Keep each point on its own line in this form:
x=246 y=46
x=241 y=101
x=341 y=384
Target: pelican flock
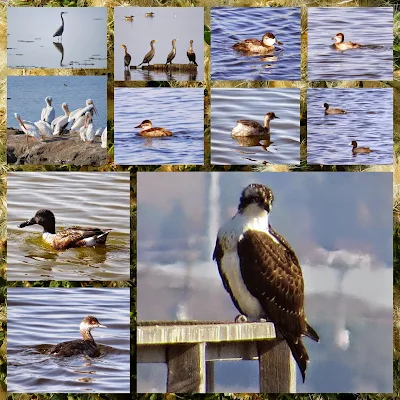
x=48 y=126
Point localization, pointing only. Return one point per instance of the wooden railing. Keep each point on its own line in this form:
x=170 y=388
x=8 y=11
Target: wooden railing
x=190 y=349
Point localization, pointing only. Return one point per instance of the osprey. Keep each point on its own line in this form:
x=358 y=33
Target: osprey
x=261 y=271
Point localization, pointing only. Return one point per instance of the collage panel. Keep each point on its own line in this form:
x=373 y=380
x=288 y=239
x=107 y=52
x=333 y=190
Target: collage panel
x=155 y=126
x=50 y=37
x=362 y=46
x=347 y=269
x=46 y=353
x=57 y=120
x=89 y=212
x=255 y=126
x=266 y=49
x=168 y=39
x=365 y=126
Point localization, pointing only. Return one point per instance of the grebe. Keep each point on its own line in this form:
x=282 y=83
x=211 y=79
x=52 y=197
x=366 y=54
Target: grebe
x=246 y=127
x=266 y=45
x=332 y=110
x=67 y=238
x=87 y=346
x=342 y=45
x=147 y=130
x=360 y=149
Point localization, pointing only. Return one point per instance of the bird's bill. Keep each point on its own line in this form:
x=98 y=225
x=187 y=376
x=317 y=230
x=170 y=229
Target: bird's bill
x=95 y=110
x=87 y=117
x=280 y=43
x=21 y=123
x=276 y=117
x=139 y=126
x=27 y=223
x=101 y=326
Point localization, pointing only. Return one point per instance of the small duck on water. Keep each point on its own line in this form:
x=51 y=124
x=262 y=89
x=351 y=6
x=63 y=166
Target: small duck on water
x=332 y=110
x=360 y=149
x=266 y=45
x=147 y=130
x=71 y=237
x=246 y=127
x=340 y=44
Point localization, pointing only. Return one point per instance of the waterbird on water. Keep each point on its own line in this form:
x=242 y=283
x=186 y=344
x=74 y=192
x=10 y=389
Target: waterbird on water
x=246 y=127
x=129 y=18
x=149 y=56
x=127 y=57
x=340 y=44
x=360 y=149
x=266 y=45
x=191 y=54
x=147 y=130
x=71 y=237
x=150 y=14
x=60 y=30
x=87 y=346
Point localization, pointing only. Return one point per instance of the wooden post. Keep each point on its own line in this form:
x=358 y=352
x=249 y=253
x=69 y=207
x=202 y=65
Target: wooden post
x=210 y=377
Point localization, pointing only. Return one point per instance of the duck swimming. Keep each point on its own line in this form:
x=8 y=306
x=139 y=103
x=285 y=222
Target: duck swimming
x=147 y=130
x=342 y=45
x=332 y=110
x=246 y=127
x=67 y=238
x=360 y=149
x=266 y=45
x=87 y=346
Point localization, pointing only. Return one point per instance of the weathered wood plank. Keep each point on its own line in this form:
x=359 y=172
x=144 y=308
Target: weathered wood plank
x=276 y=366
x=171 y=67
x=186 y=368
x=151 y=335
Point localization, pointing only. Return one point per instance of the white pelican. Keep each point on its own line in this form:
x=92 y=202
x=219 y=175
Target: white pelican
x=28 y=127
x=80 y=111
x=61 y=122
x=44 y=128
x=79 y=119
x=48 y=112
x=103 y=137
x=90 y=129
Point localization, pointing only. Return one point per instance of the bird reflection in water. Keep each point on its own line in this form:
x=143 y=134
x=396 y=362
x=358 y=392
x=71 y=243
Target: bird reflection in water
x=263 y=141
x=59 y=46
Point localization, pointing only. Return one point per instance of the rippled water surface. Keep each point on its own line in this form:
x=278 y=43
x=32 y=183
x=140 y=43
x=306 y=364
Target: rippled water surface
x=179 y=110
x=39 y=318
x=26 y=94
x=168 y=23
x=230 y=105
x=30 y=41
x=369 y=121
x=371 y=27
x=91 y=199
x=231 y=25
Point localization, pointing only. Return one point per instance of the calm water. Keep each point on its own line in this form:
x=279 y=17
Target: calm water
x=168 y=23
x=369 y=26
x=179 y=110
x=30 y=41
x=92 y=199
x=230 y=105
x=42 y=317
x=232 y=25
x=26 y=96
x=368 y=121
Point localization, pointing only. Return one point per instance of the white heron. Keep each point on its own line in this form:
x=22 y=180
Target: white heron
x=61 y=122
x=44 y=128
x=48 y=112
x=60 y=30
x=28 y=127
x=79 y=119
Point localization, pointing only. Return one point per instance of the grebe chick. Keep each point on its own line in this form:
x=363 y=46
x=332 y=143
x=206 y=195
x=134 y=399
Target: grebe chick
x=266 y=45
x=127 y=57
x=342 y=45
x=172 y=54
x=191 y=54
x=149 y=56
x=359 y=149
x=246 y=127
x=87 y=346
x=147 y=130
x=332 y=110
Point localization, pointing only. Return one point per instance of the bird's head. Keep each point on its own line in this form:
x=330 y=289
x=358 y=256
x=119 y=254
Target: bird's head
x=256 y=194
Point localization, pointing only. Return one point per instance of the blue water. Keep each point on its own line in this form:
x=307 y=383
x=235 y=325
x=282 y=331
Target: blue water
x=369 y=121
x=231 y=25
x=183 y=24
x=26 y=94
x=179 y=110
x=39 y=318
x=30 y=41
x=230 y=105
x=369 y=26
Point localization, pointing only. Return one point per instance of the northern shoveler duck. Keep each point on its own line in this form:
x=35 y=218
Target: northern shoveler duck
x=67 y=238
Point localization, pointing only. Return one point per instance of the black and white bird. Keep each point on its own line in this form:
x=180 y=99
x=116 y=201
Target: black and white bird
x=261 y=271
